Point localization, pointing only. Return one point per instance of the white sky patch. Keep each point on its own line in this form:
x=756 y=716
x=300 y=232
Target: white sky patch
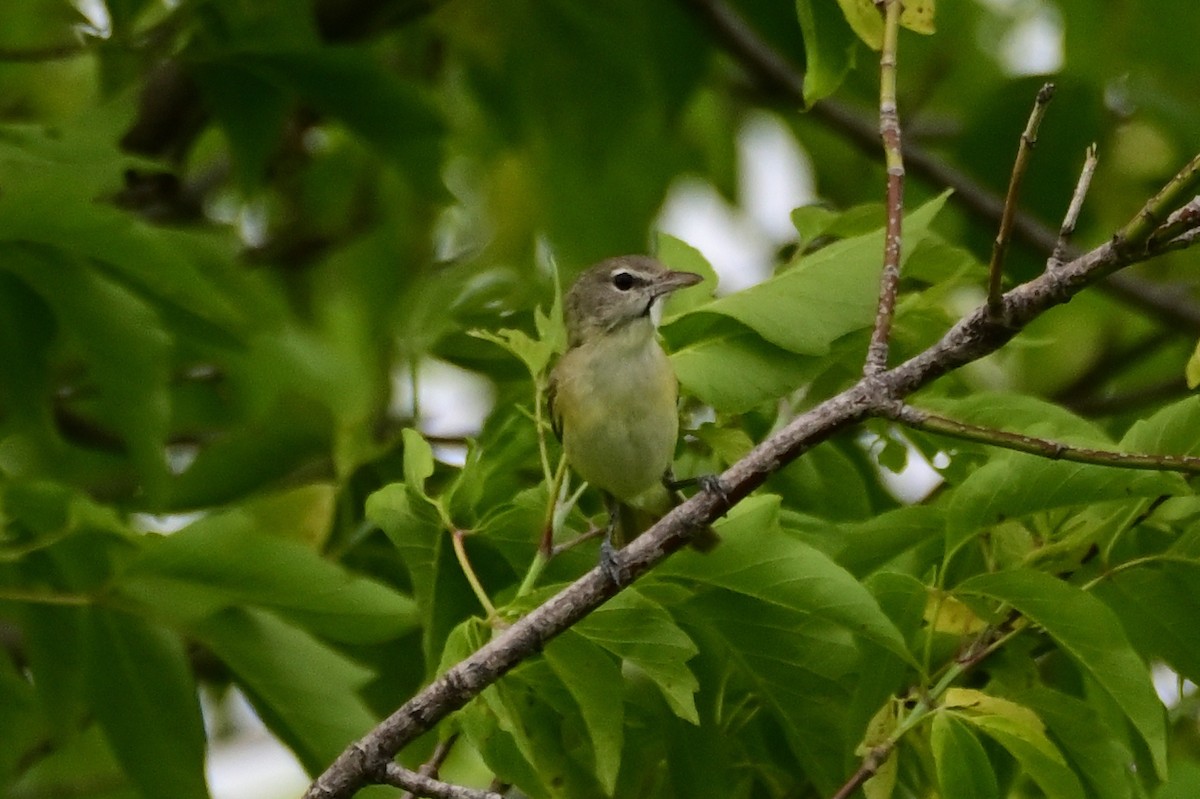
x=451 y=402
x=774 y=177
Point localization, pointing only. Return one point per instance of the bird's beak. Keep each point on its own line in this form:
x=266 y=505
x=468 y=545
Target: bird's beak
x=672 y=281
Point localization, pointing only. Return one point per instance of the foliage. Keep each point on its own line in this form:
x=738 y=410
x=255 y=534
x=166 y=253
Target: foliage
x=230 y=231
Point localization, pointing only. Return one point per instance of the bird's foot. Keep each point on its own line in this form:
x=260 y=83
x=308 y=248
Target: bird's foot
x=611 y=566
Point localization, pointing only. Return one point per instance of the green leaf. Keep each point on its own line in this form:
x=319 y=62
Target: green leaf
x=1016 y=485
x=1018 y=730
x=640 y=631
x=963 y=768
x=1092 y=635
x=222 y=561
x=418 y=460
x=1106 y=764
x=441 y=591
x=590 y=676
x=764 y=372
x=871 y=544
x=1173 y=430
x=829 y=48
x=682 y=257
x=141 y=690
x=304 y=691
x=1157 y=604
x=828 y=294
x=760 y=562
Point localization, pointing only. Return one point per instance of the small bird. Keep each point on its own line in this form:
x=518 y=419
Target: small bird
x=613 y=394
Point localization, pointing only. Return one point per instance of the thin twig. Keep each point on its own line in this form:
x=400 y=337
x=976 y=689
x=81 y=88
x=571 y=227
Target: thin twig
x=420 y=785
x=431 y=766
x=889 y=132
x=1046 y=448
x=1011 y=198
x=1182 y=221
x=1071 y=219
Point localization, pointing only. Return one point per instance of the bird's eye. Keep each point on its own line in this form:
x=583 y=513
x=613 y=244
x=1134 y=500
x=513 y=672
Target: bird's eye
x=623 y=281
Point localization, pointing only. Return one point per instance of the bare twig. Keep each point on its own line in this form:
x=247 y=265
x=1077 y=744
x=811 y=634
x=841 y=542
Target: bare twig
x=1053 y=450
x=420 y=785
x=889 y=132
x=431 y=766
x=1180 y=222
x=975 y=336
x=1020 y=164
x=1072 y=216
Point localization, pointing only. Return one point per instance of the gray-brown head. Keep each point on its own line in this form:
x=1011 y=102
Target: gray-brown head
x=618 y=291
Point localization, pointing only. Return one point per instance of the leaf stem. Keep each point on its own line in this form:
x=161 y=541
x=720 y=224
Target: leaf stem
x=460 y=552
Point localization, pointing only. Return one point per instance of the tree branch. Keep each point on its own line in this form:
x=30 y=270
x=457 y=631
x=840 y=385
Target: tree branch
x=1046 y=448
x=1020 y=164
x=978 y=334
x=889 y=132
x=421 y=785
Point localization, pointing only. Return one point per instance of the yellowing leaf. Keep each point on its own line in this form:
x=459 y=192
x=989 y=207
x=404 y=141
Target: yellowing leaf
x=945 y=614
x=866 y=20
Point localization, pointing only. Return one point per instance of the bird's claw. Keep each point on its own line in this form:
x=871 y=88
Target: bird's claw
x=612 y=568
x=712 y=484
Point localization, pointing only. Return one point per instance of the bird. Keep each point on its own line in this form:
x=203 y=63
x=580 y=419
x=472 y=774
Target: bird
x=613 y=395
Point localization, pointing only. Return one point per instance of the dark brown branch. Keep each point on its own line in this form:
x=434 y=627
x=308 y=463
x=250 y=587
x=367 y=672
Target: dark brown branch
x=866 y=770
x=420 y=785
x=1020 y=164
x=889 y=132
x=1053 y=450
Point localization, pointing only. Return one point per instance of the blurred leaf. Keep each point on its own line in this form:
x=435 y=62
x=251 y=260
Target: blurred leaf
x=1091 y=634
x=141 y=690
x=829 y=47
x=395 y=117
x=304 y=691
x=223 y=561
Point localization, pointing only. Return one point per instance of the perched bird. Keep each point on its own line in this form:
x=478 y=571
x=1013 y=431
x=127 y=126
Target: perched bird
x=613 y=394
